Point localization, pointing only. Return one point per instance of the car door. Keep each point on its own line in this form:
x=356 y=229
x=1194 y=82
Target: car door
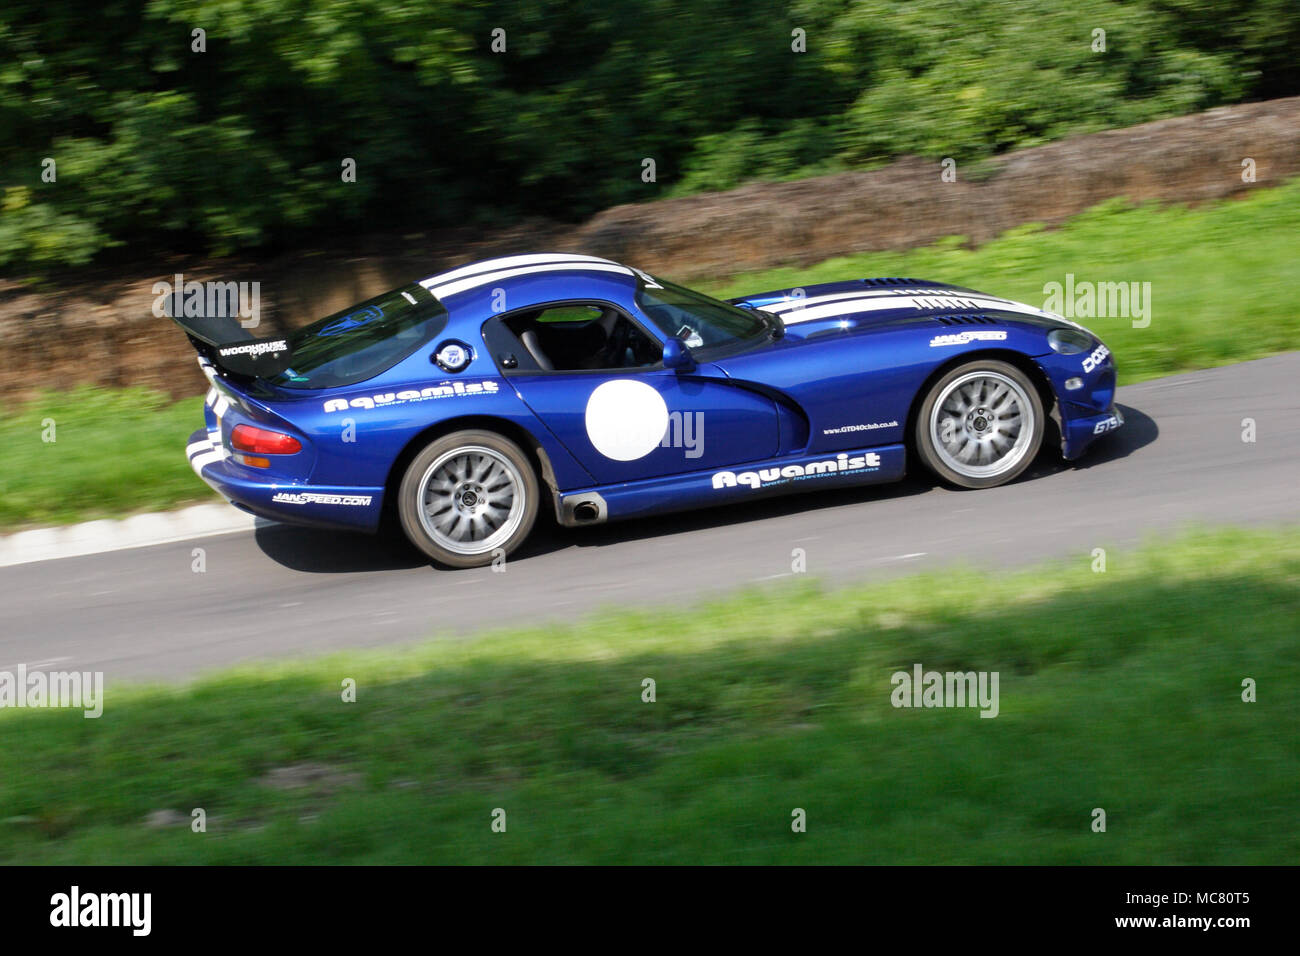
x=631 y=423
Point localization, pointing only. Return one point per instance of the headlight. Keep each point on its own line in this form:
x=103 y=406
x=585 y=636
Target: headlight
x=1068 y=341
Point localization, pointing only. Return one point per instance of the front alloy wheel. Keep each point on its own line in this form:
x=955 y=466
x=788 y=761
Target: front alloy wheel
x=981 y=424
x=468 y=497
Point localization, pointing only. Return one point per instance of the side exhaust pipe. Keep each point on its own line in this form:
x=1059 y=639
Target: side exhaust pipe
x=584 y=508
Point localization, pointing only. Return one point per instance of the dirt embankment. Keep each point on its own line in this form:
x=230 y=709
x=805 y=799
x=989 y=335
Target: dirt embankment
x=100 y=329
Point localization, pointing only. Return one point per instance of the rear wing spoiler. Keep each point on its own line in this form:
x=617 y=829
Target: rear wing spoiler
x=229 y=346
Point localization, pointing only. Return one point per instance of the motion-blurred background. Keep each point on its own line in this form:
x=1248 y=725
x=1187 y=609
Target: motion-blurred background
x=163 y=148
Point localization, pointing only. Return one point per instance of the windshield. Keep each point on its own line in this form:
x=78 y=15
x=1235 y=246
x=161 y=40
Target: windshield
x=699 y=321
x=363 y=340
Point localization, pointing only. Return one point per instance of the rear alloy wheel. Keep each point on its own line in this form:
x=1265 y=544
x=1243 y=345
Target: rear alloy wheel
x=468 y=497
x=981 y=425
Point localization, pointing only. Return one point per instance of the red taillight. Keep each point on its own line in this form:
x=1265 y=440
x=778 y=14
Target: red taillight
x=263 y=442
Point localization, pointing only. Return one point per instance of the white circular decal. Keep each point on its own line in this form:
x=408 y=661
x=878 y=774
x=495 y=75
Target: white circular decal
x=626 y=419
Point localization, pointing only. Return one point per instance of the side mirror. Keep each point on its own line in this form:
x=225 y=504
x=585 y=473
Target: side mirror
x=678 y=356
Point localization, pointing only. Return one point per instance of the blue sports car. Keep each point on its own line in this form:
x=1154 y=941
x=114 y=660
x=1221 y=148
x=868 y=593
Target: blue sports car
x=467 y=402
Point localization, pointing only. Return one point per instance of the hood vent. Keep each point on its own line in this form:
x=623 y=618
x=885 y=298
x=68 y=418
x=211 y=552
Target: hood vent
x=891 y=281
x=965 y=320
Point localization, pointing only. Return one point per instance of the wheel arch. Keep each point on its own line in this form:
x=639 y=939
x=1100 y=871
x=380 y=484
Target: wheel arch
x=1033 y=371
x=521 y=436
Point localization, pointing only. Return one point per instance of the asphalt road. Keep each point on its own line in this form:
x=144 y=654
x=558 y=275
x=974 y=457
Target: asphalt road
x=145 y=613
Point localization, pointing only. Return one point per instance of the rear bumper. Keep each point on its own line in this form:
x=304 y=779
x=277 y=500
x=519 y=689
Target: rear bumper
x=352 y=509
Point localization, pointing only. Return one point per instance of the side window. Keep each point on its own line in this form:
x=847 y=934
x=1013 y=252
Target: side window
x=570 y=313
x=582 y=337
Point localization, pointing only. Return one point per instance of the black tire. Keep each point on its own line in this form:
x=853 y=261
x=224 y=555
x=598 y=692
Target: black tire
x=467 y=495
x=977 y=429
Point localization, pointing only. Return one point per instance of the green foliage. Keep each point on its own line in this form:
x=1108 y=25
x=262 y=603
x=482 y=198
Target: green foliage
x=161 y=147
x=42 y=236
x=992 y=76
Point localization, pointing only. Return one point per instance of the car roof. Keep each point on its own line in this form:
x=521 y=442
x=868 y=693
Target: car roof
x=531 y=278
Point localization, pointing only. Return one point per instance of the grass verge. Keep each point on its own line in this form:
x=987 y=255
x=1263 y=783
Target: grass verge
x=1119 y=690
x=96 y=453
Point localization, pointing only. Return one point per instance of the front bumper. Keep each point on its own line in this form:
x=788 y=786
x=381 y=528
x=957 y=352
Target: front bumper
x=1080 y=432
x=1088 y=410
x=352 y=509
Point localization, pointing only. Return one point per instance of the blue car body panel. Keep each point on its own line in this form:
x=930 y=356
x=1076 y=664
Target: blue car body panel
x=827 y=403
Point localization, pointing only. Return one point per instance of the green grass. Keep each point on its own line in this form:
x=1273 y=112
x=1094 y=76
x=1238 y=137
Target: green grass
x=114 y=451
x=1221 y=281
x=1222 y=275
x=1119 y=691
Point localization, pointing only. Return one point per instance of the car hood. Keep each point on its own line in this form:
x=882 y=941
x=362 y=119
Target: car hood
x=870 y=303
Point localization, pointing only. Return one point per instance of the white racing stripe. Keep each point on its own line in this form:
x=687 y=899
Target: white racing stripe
x=198 y=462
x=510 y=262
x=901 y=302
x=205 y=452
x=845 y=307
x=446 y=289
x=795 y=302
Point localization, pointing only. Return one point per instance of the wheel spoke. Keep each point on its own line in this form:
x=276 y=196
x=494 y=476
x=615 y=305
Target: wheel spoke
x=471 y=500
x=978 y=424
